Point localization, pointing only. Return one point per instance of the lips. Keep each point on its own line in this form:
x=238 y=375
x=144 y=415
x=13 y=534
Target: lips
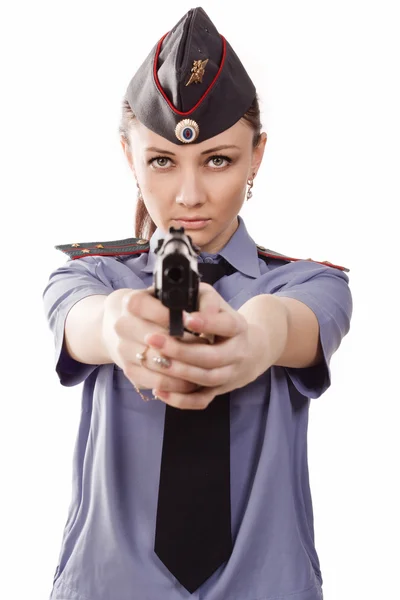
x=196 y=218
x=192 y=223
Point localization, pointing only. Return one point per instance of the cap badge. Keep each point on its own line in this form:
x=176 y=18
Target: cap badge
x=197 y=71
x=187 y=131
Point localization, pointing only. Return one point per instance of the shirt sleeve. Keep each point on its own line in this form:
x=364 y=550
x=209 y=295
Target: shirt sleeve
x=66 y=286
x=326 y=291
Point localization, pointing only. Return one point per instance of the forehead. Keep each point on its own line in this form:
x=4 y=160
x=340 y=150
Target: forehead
x=240 y=134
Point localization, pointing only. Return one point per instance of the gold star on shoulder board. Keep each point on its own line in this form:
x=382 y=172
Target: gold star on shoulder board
x=85 y=250
x=197 y=71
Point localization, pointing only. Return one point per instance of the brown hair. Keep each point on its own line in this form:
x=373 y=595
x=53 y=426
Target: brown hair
x=144 y=224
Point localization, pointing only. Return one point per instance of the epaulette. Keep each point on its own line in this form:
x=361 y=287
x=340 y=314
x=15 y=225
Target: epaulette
x=271 y=254
x=113 y=248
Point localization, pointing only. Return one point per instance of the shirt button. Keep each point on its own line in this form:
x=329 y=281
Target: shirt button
x=208 y=259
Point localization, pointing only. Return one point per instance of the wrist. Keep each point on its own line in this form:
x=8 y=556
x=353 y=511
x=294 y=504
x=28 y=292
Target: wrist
x=268 y=323
x=111 y=310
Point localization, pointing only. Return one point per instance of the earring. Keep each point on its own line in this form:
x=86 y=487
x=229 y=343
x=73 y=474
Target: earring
x=250 y=184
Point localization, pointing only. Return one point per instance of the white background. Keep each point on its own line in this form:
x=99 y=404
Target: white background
x=328 y=77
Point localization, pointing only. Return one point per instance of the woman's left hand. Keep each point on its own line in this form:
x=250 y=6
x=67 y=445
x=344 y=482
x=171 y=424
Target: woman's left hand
x=238 y=355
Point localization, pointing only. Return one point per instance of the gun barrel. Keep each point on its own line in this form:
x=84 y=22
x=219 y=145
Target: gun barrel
x=176 y=277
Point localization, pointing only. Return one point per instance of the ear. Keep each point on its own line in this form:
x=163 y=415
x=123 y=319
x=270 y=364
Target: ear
x=127 y=152
x=258 y=153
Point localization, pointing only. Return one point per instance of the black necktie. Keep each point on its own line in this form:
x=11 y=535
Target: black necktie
x=193 y=527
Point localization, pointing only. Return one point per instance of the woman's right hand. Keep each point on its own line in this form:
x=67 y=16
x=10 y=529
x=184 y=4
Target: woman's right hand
x=123 y=332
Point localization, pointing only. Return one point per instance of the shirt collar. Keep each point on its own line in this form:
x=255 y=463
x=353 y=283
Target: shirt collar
x=240 y=251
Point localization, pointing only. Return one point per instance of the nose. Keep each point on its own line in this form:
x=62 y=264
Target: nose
x=191 y=193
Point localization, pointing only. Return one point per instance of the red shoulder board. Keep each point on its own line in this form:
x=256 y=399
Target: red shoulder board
x=113 y=248
x=272 y=254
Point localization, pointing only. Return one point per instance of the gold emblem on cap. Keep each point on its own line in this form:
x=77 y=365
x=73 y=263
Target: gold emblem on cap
x=187 y=131
x=197 y=71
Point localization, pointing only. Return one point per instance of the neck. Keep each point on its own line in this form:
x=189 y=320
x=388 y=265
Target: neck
x=215 y=245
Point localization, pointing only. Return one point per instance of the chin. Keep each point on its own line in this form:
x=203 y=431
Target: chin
x=199 y=238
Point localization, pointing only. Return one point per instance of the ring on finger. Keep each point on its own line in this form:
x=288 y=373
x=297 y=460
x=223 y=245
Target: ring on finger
x=142 y=355
x=209 y=337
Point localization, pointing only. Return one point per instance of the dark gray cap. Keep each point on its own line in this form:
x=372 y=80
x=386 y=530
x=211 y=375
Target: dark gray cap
x=192 y=85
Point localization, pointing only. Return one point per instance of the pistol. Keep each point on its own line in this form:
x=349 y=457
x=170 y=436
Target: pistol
x=176 y=277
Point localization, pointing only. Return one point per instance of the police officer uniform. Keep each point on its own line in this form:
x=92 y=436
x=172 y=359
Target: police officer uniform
x=124 y=537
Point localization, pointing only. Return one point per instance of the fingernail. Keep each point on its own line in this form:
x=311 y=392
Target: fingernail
x=155 y=340
x=191 y=320
x=161 y=395
x=163 y=361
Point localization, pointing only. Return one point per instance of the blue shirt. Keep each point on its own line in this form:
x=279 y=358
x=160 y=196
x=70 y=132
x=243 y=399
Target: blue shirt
x=107 y=550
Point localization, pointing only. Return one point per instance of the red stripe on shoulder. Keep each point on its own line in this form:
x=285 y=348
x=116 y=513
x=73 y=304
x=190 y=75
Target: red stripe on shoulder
x=110 y=254
x=278 y=256
x=127 y=246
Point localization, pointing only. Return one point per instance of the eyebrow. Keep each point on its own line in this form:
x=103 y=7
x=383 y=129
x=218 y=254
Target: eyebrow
x=223 y=147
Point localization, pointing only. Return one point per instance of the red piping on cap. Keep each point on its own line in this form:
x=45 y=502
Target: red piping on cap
x=178 y=112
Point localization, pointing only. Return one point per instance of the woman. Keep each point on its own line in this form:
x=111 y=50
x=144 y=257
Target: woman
x=202 y=492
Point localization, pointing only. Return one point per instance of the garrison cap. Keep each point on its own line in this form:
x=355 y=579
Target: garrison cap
x=192 y=85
